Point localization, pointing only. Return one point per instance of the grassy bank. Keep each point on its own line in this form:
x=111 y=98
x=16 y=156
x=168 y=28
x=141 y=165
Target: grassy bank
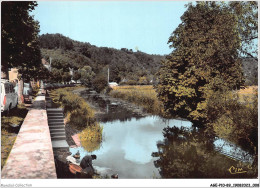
x=77 y=111
x=80 y=116
x=144 y=96
x=9 y=131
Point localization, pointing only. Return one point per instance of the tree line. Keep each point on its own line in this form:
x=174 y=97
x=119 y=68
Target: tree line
x=125 y=65
x=200 y=79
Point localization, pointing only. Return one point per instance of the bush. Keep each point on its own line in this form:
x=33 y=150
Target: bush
x=99 y=83
x=35 y=90
x=131 y=82
x=91 y=137
x=70 y=102
x=76 y=109
x=235 y=119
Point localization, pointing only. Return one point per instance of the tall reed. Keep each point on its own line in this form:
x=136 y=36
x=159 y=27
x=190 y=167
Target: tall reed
x=144 y=96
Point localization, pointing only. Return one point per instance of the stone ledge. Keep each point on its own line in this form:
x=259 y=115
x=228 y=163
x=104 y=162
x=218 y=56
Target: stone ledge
x=32 y=155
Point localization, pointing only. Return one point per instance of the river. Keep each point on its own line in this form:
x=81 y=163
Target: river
x=130 y=137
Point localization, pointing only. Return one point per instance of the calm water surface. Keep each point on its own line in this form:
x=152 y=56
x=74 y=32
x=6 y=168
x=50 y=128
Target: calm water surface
x=127 y=146
x=129 y=139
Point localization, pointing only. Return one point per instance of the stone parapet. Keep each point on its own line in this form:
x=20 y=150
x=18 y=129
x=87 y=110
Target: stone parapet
x=32 y=155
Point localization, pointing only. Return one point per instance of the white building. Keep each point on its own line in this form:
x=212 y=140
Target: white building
x=113 y=84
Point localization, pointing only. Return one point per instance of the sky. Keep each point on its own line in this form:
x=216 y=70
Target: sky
x=142 y=25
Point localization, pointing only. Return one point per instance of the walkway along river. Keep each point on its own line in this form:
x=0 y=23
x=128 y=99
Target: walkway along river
x=131 y=136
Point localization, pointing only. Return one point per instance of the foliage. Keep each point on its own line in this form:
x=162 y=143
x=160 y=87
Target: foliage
x=246 y=13
x=122 y=63
x=81 y=116
x=185 y=154
x=78 y=112
x=55 y=41
x=250 y=70
x=66 y=77
x=35 y=90
x=144 y=96
x=99 y=83
x=204 y=60
x=76 y=76
x=129 y=82
x=91 y=138
x=86 y=75
x=143 y=80
x=235 y=117
x=56 y=75
x=19 y=35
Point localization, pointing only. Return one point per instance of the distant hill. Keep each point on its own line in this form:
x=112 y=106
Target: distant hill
x=123 y=64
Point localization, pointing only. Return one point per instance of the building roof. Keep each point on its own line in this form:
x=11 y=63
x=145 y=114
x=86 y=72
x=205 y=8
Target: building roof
x=44 y=62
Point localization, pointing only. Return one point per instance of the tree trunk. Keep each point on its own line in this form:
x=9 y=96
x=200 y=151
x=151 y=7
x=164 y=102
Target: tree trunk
x=20 y=91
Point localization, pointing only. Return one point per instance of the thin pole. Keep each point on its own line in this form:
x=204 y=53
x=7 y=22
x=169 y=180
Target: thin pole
x=108 y=75
x=50 y=63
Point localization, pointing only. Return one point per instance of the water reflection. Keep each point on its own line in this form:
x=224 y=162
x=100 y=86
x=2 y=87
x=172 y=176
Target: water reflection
x=178 y=151
x=110 y=111
x=127 y=146
x=185 y=154
x=233 y=151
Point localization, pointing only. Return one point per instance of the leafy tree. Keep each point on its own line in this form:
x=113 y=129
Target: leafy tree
x=246 y=13
x=19 y=36
x=86 y=75
x=122 y=63
x=56 y=75
x=55 y=41
x=76 y=76
x=66 y=77
x=43 y=73
x=204 y=59
x=99 y=83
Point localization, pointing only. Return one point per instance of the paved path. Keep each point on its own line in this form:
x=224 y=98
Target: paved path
x=32 y=154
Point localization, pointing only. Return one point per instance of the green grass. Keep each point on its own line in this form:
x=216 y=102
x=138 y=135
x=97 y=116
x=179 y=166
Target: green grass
x=78 y=112
x=7 y=142
x=8 y=133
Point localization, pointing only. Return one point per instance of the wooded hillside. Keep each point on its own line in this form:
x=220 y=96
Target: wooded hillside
x=124 y=64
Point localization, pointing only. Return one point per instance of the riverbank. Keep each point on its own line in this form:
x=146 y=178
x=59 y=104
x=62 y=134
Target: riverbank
x=144 y=96
x=100 y=103
x=81 y=128
x=78 y=113
x=229 y=107
x=137 y=133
